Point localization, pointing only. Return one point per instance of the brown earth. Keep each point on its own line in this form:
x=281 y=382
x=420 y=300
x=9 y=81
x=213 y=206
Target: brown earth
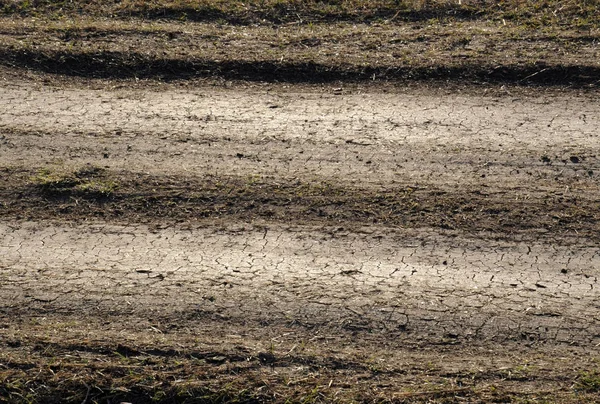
x=264 y=243
x=260 y=209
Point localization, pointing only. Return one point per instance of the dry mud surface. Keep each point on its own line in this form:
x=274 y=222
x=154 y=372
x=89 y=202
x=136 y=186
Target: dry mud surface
x=298 y=242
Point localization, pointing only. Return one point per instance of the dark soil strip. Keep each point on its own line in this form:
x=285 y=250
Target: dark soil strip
x=104 y=373
x=533 y=13
x=144 y=198
x=118 y=65
x=276 y=13
x=294 y=13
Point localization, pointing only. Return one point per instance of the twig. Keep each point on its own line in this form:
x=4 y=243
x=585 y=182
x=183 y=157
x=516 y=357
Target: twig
x=534 y=74
x=433 y=393
x=86 y=394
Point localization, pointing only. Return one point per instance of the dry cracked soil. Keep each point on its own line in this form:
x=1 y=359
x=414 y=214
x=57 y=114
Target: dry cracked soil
x=312 y=243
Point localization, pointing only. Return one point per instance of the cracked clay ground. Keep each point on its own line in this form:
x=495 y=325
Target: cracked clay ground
x=478 y=266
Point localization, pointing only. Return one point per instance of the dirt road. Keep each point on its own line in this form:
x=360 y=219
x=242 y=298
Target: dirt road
x=261 y=242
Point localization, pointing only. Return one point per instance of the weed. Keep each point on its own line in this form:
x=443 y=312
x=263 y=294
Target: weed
x=588 y=382
x=87 y=182
x=54 y=181
x=312 y=397
x=101 y=188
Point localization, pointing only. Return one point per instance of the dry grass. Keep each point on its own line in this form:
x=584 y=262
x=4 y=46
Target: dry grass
x=87 y=182
x=569 y=13
x=550 y=43
x=52 y=369
x=322 y=40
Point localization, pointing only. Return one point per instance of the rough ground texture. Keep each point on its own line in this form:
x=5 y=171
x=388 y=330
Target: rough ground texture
x=384 y=209
x=404 y=246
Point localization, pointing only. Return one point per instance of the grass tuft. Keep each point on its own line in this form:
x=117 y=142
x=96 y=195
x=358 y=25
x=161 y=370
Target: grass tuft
x=88 y=182
x=588 y=382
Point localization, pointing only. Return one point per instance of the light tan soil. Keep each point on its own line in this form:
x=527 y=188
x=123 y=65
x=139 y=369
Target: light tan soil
x=306 y=243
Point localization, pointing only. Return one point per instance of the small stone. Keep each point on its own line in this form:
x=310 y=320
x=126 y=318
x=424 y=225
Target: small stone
x=216 y=359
